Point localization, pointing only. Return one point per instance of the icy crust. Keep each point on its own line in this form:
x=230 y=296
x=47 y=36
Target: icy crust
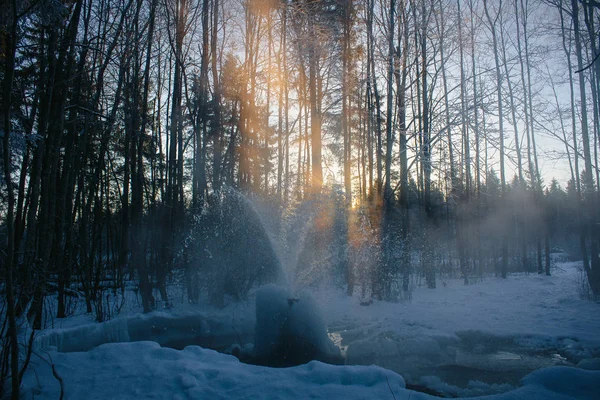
x=146 y=370
x=163 y=328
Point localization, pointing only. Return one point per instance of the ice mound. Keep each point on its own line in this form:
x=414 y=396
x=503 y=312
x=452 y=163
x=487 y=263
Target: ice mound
x=290 y=331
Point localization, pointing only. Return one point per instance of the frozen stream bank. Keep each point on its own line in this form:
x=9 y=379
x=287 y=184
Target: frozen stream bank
x=455 y=340
x=466 y=364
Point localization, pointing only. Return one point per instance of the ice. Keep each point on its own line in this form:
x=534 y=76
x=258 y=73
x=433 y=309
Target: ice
x=289 y=330
x=84 y=337
x=272 y=310
x=160 y=327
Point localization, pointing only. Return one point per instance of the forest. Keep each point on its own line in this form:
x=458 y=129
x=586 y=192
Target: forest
x=144 y=142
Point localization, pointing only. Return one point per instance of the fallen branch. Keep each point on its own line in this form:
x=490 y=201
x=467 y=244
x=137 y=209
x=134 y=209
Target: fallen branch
x=60 y=380
x=54 y=373
x=391 y=391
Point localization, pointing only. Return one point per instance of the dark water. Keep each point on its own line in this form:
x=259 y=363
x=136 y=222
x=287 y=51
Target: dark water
x=471 y=364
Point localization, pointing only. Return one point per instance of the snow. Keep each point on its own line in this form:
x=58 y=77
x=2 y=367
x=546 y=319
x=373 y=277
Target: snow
x=592 y=364
x=504 y=327
x=161 y=327
x=531 y=310
x=566 y=381
x=474 y=388
x=146 y=370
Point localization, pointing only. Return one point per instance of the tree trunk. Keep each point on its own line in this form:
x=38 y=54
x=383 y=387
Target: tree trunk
x=504 y=265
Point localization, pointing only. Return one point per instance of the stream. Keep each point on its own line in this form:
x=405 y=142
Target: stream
x=470 y=364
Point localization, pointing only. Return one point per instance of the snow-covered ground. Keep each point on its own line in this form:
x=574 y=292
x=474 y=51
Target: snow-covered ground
x=480 y=338
x=522 y=304
x=144 y=370
x=455 y=340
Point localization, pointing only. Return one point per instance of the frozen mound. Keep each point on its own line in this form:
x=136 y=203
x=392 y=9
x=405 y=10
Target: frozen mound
x=290 y=331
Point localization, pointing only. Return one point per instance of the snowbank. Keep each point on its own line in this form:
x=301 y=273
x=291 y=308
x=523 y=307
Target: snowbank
x=144 y=370
x=167 y=329
x=503 y=326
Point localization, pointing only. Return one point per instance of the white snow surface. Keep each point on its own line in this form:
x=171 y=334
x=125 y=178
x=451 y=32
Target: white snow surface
x=530 y=312
x=533 y=304
x=144 y=370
